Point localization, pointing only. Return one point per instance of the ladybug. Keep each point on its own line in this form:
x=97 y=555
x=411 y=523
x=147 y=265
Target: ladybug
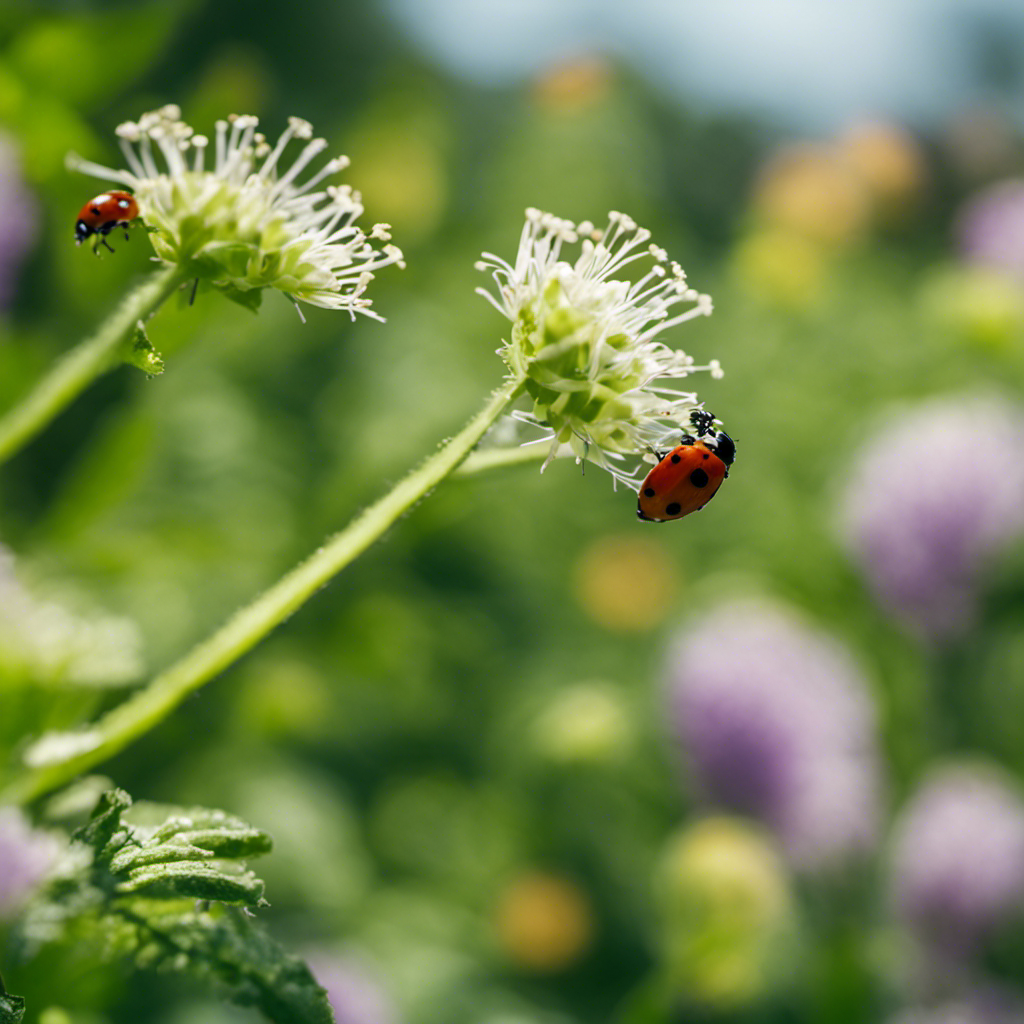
x=689 y=476
x=101 y=215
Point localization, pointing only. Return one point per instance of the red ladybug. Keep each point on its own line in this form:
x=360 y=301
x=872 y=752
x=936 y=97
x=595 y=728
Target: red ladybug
x=689 y=476
x=101 y=215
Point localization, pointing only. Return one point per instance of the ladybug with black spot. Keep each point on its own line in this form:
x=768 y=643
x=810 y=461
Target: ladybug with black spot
x=689 y=476
x=102 y=215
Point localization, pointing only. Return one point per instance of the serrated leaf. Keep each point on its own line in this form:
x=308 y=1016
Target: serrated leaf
x=137 y=856
x=193 y=880
x=105 y=824
x=197 y=819
x=252 y=969
x=138 y=893
x=247 y=842
x=12 y=1009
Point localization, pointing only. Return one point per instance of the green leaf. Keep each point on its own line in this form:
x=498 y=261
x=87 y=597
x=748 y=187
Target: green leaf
x=104 y=828
x=150 y=865
x=142 y=354
x=12 y=1009
x=244 y=962
x=192 y=880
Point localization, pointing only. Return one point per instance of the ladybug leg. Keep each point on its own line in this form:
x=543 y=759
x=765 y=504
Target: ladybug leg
x=103 y=241
x=192 y=297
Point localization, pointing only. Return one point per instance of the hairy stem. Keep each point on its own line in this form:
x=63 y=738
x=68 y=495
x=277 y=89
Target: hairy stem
x=77 y=369
x=149 y=706
x=493 y=458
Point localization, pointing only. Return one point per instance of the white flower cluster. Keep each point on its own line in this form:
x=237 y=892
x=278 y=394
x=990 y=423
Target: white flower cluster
x=587 y=341
x=236 y=218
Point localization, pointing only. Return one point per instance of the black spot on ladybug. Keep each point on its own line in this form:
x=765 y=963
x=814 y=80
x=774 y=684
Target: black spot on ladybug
x=649 y=492
x=95 y=209
x=699 y=478
x=674 y=509
x=706 y=455
x=677 y=458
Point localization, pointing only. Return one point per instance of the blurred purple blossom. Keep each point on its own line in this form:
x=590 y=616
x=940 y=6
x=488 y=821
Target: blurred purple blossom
x=990 y=228
x=26 y=857
x=20 y=222
x=777 y=721
x=984 y=1008
x=356 y=995
x=930 y=499
x=958 y=857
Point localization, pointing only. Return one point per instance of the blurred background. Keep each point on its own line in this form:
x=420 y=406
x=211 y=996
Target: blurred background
x=529 y=761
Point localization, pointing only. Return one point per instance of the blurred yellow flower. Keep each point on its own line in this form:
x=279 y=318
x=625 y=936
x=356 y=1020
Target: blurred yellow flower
x=574 y=85
x=890 y=163
x=810 y=190
x=626 y=583
x=543 y=922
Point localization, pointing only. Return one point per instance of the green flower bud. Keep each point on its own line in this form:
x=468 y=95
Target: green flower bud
x=729 y=917
x=586 y=342
x=244 y=224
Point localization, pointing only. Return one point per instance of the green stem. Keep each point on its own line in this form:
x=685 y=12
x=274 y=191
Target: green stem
x=73 y=373
x=149 y=706
x=493 y=458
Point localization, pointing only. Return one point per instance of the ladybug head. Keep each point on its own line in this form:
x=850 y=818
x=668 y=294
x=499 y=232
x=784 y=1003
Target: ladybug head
x=725 y=448
x=704 y=422
x=82 y=231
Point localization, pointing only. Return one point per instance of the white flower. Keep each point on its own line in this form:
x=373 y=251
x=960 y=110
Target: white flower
x=244 y=223
x=587 y=344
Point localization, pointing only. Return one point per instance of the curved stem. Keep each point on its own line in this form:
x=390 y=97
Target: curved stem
x=146 y=708
x=88 y=360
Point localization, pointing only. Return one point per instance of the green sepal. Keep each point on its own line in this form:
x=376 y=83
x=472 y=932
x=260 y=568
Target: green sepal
x=142 y=354
x=250 y=298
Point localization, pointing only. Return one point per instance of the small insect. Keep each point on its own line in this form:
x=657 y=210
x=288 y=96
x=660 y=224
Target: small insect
x=689 y=476
x=102 y=215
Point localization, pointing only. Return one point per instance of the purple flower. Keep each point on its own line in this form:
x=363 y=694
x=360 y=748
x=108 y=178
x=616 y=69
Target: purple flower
x=776 y=721
x=26 y=857
x=958 y=857
x=931 y=498
x=984 y=1009
x=20 y=221
x=990 y=228
x=355 y=993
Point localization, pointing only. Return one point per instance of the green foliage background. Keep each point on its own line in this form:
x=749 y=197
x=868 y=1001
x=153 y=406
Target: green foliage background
x=386 y=736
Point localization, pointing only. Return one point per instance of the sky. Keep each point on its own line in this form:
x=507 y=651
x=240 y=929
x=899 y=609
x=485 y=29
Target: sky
x=810 y=64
